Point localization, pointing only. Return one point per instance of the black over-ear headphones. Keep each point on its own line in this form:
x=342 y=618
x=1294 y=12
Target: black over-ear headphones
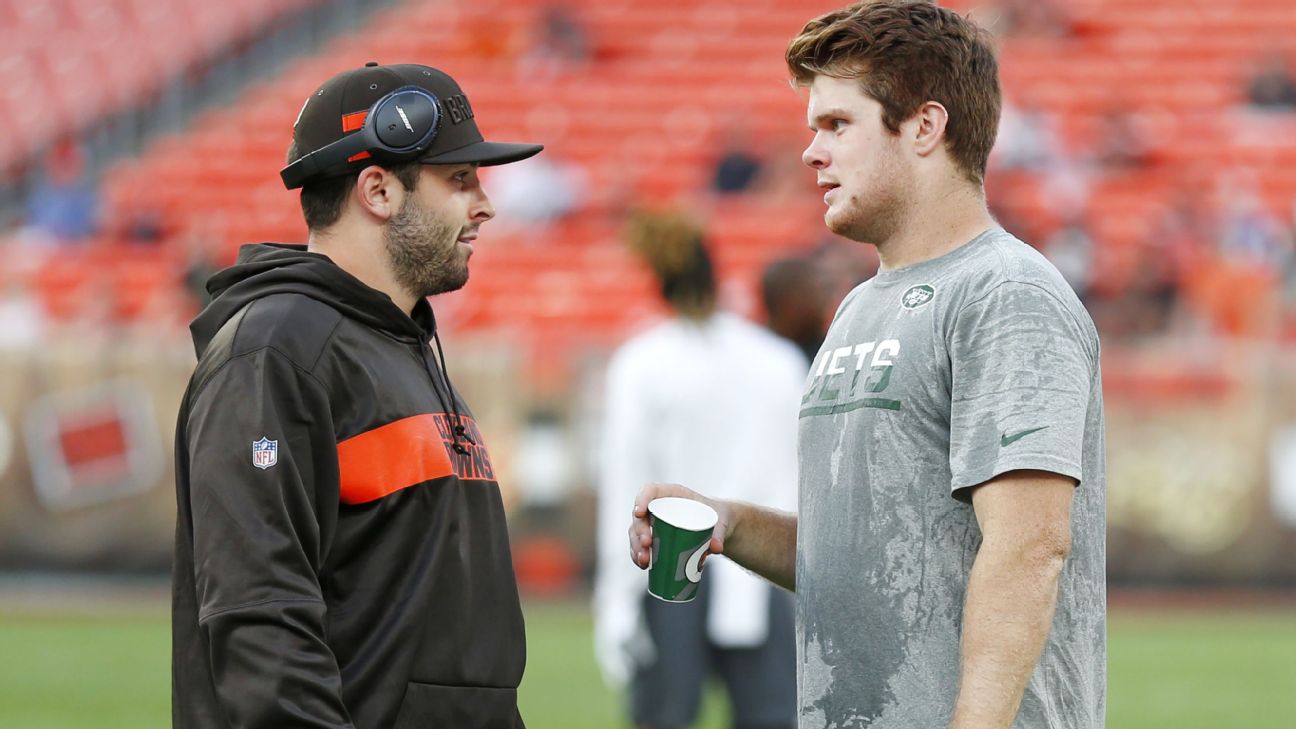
x=397 y=128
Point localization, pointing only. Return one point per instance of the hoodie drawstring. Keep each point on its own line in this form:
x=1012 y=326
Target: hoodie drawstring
x=458 y=431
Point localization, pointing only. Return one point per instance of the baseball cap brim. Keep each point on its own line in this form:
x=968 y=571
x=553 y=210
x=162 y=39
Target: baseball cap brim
x=485 y=154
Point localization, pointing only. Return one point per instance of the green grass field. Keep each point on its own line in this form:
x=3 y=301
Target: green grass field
x=1186 y=670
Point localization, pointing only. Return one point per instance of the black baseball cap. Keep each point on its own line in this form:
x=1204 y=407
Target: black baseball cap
x=340 y=108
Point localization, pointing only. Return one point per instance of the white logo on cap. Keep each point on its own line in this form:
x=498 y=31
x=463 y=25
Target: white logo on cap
x=302 y=111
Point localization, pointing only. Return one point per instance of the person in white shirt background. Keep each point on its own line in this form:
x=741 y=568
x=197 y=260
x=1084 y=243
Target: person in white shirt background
x=704 y=397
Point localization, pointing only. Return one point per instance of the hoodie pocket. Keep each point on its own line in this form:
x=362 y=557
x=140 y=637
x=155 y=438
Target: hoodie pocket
x=433 y=706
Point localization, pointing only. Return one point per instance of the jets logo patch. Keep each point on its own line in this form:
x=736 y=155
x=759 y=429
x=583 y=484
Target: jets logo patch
x=916 y=296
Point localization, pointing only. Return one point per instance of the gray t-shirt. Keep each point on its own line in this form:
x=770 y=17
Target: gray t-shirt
x=935 y=378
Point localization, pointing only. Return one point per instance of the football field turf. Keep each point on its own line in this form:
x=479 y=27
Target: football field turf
x=1179 y=669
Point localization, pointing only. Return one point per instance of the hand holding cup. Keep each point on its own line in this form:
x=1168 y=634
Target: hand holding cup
x=690 y=527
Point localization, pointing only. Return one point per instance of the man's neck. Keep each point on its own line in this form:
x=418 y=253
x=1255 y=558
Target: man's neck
x=361 y=259
x=945 y=220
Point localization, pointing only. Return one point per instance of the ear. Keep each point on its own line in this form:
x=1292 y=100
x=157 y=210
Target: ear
x=378 y=192
x=930 y=132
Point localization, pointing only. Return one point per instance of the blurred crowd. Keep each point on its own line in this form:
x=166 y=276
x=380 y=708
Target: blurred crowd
x=1178 y=274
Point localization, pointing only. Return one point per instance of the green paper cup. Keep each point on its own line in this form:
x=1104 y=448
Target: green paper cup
x=681 y=532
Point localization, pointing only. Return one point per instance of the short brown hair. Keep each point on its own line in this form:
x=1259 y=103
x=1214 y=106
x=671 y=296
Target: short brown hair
x=322 y=199
x=906 y=53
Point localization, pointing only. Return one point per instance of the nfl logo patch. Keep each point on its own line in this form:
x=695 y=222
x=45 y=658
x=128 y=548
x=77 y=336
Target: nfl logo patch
x=265 y=453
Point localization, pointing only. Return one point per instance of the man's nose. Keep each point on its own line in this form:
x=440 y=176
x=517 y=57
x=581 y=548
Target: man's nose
x=483 y=210
x=815 y=156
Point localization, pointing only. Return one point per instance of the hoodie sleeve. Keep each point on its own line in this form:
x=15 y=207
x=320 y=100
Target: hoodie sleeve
x=263 y=516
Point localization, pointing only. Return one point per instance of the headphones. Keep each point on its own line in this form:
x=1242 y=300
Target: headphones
x=398 y=127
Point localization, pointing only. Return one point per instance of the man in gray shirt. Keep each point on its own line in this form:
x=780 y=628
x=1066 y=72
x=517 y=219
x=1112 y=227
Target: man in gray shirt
x=949 y=541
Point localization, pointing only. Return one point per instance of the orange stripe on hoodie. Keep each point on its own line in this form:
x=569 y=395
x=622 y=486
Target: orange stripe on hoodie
x=394 y=456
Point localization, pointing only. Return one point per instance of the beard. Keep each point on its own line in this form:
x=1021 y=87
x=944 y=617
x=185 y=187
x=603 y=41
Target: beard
x=876 y=215
x=873 y=220
x=424 y=252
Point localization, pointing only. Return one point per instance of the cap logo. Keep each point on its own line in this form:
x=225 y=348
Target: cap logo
x=458 y=108
x=297 y=121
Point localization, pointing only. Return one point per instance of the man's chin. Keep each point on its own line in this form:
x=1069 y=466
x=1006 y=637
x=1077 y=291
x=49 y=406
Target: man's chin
x=841 y=224
x=447 y=285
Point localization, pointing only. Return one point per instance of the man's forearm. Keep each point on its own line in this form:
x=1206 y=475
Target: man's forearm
x=764 y=541
x=1011 y=597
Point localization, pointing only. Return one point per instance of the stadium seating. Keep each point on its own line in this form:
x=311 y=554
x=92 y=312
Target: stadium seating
x=647 y=113
x=68 y=63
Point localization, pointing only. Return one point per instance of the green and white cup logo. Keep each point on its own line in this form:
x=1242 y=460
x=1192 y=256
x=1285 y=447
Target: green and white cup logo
x=681 y=532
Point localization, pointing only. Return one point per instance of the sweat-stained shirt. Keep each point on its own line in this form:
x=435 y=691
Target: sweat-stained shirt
x=935 y=378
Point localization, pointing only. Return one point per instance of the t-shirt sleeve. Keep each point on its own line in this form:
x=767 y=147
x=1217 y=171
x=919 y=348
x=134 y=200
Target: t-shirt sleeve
x=1022 y=369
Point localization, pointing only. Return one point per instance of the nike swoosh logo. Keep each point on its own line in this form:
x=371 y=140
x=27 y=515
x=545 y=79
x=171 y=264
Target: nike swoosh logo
x=1007 y=440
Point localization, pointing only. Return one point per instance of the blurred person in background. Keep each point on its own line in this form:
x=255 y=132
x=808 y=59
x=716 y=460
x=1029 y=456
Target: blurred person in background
x=22 y=319
x=796 y=293
x=538 y=191
x=63 y=207
x=1153 y=297
x=341 y=554
x=1249 y=234
x=559 y=42
x=948 y=552
x=201 y=243
x=1071 y=249
x=1288 y=273
x=738 y=167
x=1032 y=18
x=1272 y=87
x=704 y=397
x=1028 y=139
x=846 y=264
x=1183 y=237
x=1122 y=145
x=563 y=36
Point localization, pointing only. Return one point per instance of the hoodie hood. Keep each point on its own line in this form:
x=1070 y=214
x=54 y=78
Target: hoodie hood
x=264 y=269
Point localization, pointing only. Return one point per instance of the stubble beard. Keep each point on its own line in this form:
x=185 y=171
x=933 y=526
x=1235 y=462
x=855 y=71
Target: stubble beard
x=876 y=215
x=424 y=252
x=875 y=220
